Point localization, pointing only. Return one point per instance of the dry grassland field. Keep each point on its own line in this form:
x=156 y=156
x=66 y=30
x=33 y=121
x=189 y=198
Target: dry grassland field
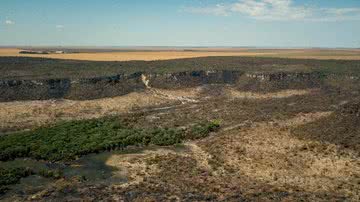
x=167 y=54
x=281 y=126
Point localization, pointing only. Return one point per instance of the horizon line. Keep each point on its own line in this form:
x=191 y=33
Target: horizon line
x=175 y=47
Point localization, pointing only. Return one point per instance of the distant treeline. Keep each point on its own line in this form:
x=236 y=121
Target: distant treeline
x=33 y=52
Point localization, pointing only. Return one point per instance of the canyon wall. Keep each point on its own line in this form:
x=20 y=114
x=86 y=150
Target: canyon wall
x=121 y=84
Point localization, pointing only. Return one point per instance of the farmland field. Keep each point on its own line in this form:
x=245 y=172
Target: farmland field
x=94 y=54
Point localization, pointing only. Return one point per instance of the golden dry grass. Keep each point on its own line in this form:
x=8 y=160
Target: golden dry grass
x=28 y=114
x=280 y=94
x=268 y=153
x=178 y=54
x=323 y=54
x=9 y=52
x=128 y=56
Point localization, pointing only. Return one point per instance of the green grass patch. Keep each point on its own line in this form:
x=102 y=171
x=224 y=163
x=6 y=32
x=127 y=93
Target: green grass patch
x=202 y=130
x=69 y=140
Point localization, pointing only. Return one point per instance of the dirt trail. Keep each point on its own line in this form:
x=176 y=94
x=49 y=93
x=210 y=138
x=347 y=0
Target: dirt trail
x=183 y=95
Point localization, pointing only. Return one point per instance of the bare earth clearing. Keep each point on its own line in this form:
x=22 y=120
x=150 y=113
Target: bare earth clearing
x=149 y=55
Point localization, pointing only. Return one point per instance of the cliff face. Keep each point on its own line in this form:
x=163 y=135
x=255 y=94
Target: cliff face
x=121 y=84
x=193 y=78
x=33 y=89
x=90 y=88
x=282 y=76
x=107 y=86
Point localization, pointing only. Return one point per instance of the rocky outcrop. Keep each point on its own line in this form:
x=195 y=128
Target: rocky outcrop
x=275 y=81
x=89 y=88
x=99 y=87
x=33 y=89
x=108 y=86
x=121 y=84
x=193 y=78
x=284 y=76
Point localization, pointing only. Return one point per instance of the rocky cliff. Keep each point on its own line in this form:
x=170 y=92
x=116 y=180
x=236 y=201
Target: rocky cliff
x=121 y=84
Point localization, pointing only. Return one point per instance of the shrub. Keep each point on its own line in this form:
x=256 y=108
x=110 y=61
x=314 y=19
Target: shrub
x=202 y=130
x=68 y=140
x=12 y=176
x=164 y=137
x=55 y=174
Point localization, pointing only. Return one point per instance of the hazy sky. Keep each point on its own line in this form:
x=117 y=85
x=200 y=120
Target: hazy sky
x=280 y=23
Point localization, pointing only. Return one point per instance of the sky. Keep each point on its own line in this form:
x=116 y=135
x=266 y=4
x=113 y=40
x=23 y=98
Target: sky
x=256 y=23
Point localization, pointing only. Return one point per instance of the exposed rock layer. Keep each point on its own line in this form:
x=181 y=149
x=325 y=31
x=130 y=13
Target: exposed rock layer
x=121 y=84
